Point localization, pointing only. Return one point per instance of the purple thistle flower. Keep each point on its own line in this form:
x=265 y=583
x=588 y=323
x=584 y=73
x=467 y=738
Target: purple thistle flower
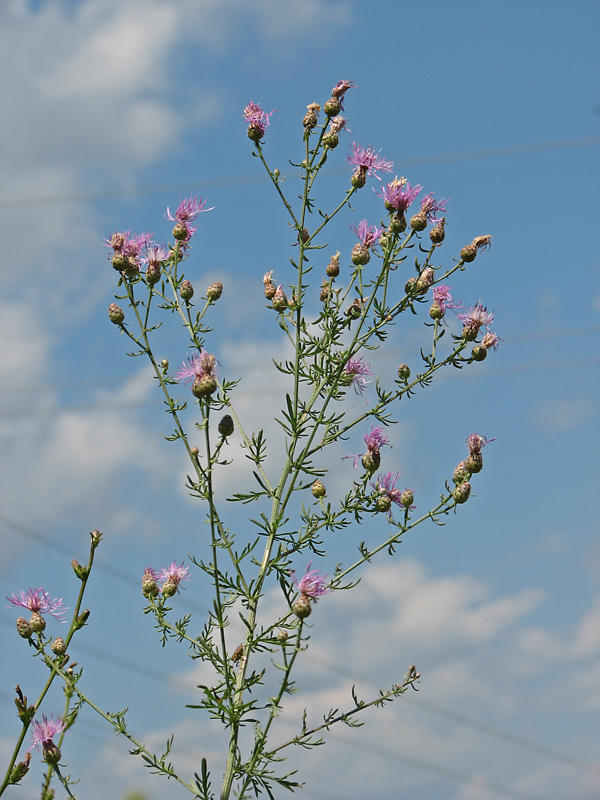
x=172 y=577
x=368 y=234
x=197 y=366
x=442 y=296
x=491 y=341
x=188 y=210
x=367 y=161
x=312 y=583
x=336 y=124
x=398 y=195
x=256 y=118
x=376 y=439
x=340 y=89
x=38 y=601
x=43 y=731
x=386 y=485
x=475 y=442
x=357 y=370
x=117 y=240
x=156 y=254
x=477 y=316
x=431 y=208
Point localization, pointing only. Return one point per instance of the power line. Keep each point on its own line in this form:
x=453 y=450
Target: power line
x=217 y=183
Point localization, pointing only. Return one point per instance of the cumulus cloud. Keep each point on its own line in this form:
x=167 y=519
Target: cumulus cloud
x=563 y=414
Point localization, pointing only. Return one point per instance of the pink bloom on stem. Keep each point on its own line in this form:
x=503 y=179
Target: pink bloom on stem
x=442 y=296
x=367 y=161
x=399 y=194
x=312 y=583
x=357 y=370
x=477 y=316
x=368 y=234
x=431 y=208
x=156 y=254
x=476 y=441
x=257 y=118
x=491 y=341
x=376 y=439
x=172 y=577
x=188 y=210
x=197 y=366
x=38 y=601
x=43 y=731
x=336 y=124
x=386 y=486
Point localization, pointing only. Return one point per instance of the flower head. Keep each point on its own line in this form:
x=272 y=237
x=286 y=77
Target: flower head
x=42 y=732
x=188 y=210
x=356 y=372
x=368 y=234
x=38 y=601
x=336 y=124
x=312 y=583
x=398 y=195
x=491 y=341
x=172 y=577
x=477 y=316
x=197 y=366
x=257 y=119
x=367 y=161
x=442 y=296
x=340 y=89
x=475 y=442
x=431 y=208
x=386 y=487
x=376 y=439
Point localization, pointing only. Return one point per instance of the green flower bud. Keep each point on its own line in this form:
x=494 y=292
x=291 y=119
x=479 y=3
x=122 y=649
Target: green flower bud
x=302 y=607
x=226 y=426
x=58 y=646
x=204 y=387
x=115 y=314
x=404 y=372
x=214 y=291
x=461 y=493
x=318 y=489
x=24 y=629
x=186 y=290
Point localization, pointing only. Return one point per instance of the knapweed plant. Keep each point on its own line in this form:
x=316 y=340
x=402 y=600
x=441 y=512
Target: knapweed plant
x=392 y=269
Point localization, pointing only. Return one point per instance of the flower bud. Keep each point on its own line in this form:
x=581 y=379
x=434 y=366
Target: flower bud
x=81 y=572
x=52 y=754
x=82 y=619
x=318 y=489
x=324 y=293
x=203 y=386
x=355 y=310
x=20 y=770
x=164 y=364
x=404 y=372
x=331 y=140
x=302 y=607
x=359 y=177
x=254 y=132
x=280 y=302
x=383 y=503
x=397 y=223
x=36 y=622
x=310 y=118
x=461 y=473
x=409 y=286
x=131 y=268
x=360 y=254
x=332 y=107
x=180 y=231
x=333 y=268
x=474 y=462
x=58 y=646
x=470 y=331
x=371 y=461
x=461 y=493
x=282 y=637
x=425 y=280
x=186 y=290
x=149 y=585
x=24 y=629
x=119 y=262
x=479 y=353
x=115 y=314
x=436 y=311
x=406 y=498
x=214 y=291
x=153 y=273
x=437 y=233
x=226 y=426
x=195 y=452
x=419 y=221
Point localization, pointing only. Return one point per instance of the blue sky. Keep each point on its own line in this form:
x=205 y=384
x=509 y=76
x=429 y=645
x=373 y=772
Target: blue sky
x=114 y=110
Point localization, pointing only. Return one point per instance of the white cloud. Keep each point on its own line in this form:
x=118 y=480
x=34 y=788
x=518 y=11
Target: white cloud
x=563 y=414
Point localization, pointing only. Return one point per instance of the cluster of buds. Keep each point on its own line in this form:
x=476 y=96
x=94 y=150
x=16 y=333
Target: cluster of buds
x=470 y=466
x=200 y=369
x=128 y=251
x=171 y=578
x=38 y=602
x=420 y=285
x=311 y=586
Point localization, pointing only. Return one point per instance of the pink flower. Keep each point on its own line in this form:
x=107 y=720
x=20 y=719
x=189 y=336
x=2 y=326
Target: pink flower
x=376 y=439
x=491 y=341
x=340 y=89
x=476 y=441
x=197 y=366
x=188 y=210
x=336 y=124
x=357 y=370
x=442 y=296
x=37 y=600
x=256 y=118
x=398 y=195
x=368 y=234
x=367 y=161
x=312 y=584
x=477 y=316
x=172 y=577
x=431 y=208
x=43 y=731
x=386 y=486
